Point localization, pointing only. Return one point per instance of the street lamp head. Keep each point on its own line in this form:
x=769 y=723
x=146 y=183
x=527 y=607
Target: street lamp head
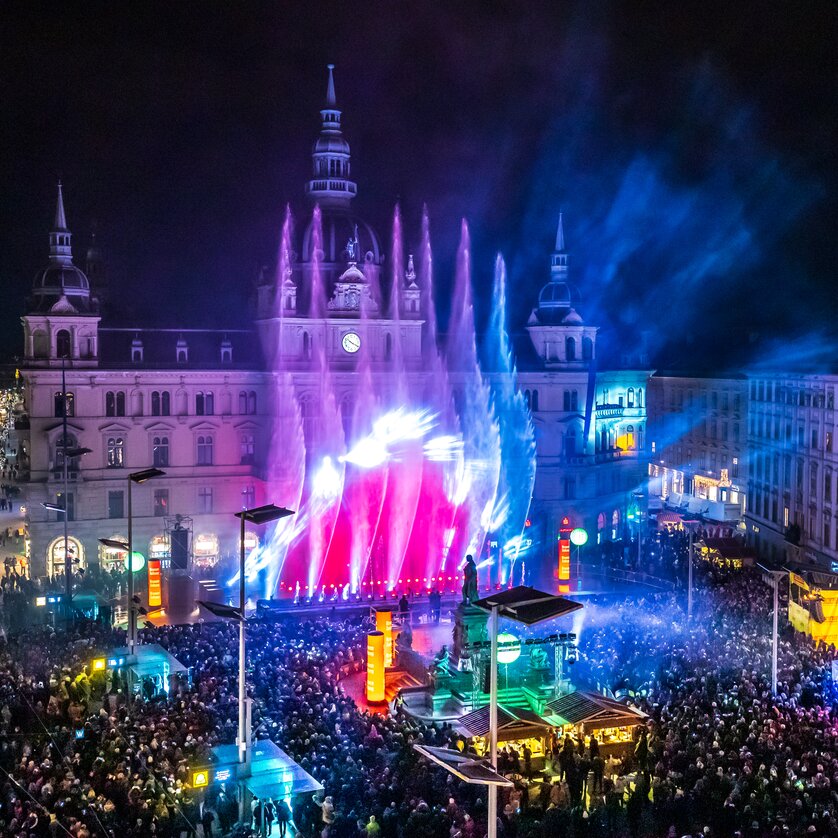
x=264 y=514
x=77 y=452
x=145 y=474
x=114 y=544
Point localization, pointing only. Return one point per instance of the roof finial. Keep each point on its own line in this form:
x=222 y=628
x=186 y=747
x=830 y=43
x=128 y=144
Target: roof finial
x=560 y=236
x=330 y=88
x=60 y=218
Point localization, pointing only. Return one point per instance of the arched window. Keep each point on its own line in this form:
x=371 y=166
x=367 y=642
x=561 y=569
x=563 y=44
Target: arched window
x=251 y=402
x=204 y=403
x=640 y=397
x=600 y=521
x=62 y=343
x=205 y=450
x=528 y=399
x=574 y=400
x=309 y=417
x=65 y=404
x=640 y=437
x=629 y=437
x=120 y=403
x=155 y=403
x=587 y=349
x=570 y=348
x=534 y=401
x=347 y=409
x=165 y=403
x=306 y=345
x=388 y=347
x=160 y=451
x=570 y=442
x=603 y=443
x=630 y=400
x=116 y=452
x=110 y=403
x=242 y=402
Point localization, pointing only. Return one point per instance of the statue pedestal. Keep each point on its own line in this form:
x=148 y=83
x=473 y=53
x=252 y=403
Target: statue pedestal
x=470 y=626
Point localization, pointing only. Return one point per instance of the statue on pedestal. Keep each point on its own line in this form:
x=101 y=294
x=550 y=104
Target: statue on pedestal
x=470 y=594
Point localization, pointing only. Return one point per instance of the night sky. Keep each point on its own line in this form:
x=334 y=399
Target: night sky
x=690 y=146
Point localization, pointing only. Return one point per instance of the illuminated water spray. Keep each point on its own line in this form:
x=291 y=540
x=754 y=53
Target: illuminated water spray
x=400 y=465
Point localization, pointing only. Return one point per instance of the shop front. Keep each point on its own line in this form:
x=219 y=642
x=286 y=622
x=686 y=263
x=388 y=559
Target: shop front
x=205 y=552
x=112 y=558
x=55 y=556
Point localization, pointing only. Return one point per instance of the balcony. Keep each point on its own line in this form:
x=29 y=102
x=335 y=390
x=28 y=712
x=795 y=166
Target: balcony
x=610 y=411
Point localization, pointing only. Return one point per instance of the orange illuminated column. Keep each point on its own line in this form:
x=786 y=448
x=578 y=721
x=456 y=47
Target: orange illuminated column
x=155 y=599
x=375 y=666
x=384 y=624
x=564 y=565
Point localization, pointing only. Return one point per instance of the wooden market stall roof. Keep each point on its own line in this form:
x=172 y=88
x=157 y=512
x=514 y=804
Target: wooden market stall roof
x=593 y=711
x=513 y=723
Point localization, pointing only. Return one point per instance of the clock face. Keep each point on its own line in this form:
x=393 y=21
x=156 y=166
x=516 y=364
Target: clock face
x=351 y=343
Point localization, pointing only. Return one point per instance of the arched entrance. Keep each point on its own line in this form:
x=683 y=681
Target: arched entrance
x=55 y=555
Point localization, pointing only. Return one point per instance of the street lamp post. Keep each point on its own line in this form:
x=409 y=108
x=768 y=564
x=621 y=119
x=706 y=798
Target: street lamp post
x=524 y=605
x=137 y=477
x=690 y=522
x=258 y=515
x=772 y=578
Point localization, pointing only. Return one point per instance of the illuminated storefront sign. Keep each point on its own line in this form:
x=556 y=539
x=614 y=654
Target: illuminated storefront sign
x=375 y=667
x=207 y=544
x=155 y=596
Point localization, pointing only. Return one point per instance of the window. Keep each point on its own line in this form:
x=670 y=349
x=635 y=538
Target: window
x=205 y=450
x=827 y=485
x=247 y=402
x=160 y=451
x=161 y=403
x=535 y=400
x=247 y=448
x=65 y=401
x=785 y=517
x=587 y=349
x=813 y=481
x=161 y=503
x=116 y=451
x=828 y=441
x=630 y=397
x=205 y=500
x=570 y=442
x=570 y=487
x=204 y=404
x=629 y=437
x=116 y=504
x=815 y=437
x=306 y=345
x=62 y=344
x=249 y=497
x=570 y=349
x=115 y=403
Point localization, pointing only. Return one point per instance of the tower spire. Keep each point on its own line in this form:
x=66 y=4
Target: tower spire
x=560 y=236
x=331 y=101
x=60 y=217
x=330 y=184
x=60 y=250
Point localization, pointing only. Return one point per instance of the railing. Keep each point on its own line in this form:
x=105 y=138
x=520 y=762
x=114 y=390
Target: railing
x=609 y=411
x=331 y=186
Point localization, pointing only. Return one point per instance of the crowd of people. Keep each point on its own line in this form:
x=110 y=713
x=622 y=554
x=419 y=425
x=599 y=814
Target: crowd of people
x=719 y=756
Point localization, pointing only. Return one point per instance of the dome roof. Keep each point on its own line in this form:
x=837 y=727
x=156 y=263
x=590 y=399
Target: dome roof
x=338 y=228
x=331 y=144
x=557 y=295
x=61 y=277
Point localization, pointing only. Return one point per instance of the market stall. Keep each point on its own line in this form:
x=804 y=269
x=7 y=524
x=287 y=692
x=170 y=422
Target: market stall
x=583 y=713
x=517 y=726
